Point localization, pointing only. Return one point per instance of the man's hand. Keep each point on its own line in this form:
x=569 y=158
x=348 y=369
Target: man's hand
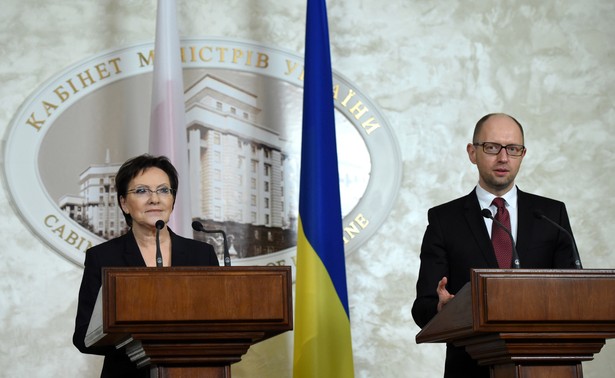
x=443 y=295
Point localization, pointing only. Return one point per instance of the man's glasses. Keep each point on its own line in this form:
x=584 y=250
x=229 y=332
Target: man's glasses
x=495 y=148
x=144 y=191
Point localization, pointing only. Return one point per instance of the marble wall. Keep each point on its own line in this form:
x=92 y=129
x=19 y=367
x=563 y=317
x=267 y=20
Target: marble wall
x=433 y=68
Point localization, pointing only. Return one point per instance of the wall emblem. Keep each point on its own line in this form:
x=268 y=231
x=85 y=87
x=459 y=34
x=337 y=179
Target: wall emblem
x=243 y=113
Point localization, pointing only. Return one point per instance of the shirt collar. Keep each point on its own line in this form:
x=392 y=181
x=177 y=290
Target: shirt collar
x=485 y=198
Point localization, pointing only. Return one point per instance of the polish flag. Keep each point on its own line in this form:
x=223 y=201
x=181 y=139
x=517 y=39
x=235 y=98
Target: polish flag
x=168 y=120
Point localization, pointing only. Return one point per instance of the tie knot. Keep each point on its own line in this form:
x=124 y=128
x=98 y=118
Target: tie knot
x=499 y=202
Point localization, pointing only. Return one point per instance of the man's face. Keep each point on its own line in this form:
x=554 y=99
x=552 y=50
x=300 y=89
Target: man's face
x=497 y=172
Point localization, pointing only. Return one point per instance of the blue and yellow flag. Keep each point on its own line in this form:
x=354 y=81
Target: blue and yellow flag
x=323 y=345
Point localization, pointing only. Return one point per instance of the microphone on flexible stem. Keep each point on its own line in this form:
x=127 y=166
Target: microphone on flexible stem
x=577 y=258
x=197 y=226
x=515 y=256
x=159 y=226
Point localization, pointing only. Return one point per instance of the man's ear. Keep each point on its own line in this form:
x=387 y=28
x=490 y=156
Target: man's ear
x=471 y=149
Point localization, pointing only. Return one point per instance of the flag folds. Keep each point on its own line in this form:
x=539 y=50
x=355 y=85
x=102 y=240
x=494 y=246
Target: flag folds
x=322 y=341
x=168 y=117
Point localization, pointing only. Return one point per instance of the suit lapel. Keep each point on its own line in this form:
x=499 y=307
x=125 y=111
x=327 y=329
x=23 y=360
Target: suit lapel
x=179 y=256
x=477 y=226
x=132 y=254
x=525 y=222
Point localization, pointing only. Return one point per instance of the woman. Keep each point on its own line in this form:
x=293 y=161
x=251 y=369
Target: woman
x=146 y=187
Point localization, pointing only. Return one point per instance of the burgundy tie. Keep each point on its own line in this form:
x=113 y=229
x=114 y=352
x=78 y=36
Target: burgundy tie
x=502 y=245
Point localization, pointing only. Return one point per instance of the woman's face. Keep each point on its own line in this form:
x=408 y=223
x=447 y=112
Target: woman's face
x=149 y=198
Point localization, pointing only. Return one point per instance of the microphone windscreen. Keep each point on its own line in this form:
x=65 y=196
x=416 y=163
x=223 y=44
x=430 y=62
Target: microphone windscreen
x=197 y=226
x=486 y=213
x=160 y=224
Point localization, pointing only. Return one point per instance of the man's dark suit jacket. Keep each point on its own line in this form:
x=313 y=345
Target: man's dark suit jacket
x=124 y=252
x=457 y=240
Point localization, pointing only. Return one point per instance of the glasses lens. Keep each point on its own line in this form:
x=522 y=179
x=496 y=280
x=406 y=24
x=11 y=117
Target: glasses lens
x=492 y=148
x=514 y=149
x=142 y=191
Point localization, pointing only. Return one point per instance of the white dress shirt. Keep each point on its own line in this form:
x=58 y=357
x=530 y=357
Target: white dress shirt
x=485 y=198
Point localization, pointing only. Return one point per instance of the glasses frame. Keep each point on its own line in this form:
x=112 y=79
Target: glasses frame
x=505 y=147
x=149 y=192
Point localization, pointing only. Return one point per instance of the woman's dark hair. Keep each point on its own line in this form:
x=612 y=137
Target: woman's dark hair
x=137 y=165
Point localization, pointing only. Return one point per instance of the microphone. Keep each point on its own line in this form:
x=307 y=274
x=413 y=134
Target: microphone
x=197 y=226
x=515 y=257
x=577 y=258
x=159 y=226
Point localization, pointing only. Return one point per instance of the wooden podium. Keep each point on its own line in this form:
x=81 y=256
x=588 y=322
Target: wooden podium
x=191 y=321
x=529 y=323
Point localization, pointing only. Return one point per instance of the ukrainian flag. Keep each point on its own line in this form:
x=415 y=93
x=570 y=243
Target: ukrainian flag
x=323 y=345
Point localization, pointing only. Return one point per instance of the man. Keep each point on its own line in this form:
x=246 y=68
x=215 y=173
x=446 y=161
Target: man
x=458 y=237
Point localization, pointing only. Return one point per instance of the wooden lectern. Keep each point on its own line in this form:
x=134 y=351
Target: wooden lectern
x=191 y=321
x=529 y=323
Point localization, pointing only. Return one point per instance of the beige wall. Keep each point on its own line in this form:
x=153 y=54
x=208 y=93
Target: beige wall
x=433 y=68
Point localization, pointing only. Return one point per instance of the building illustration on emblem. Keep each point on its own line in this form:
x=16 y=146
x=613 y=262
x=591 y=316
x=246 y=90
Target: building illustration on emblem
x=96 y=208
x=239 y=175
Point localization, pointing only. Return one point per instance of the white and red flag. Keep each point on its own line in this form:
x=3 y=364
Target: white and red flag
x=168 y=120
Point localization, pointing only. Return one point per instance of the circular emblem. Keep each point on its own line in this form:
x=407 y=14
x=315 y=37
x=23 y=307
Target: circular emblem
x=243 y=110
